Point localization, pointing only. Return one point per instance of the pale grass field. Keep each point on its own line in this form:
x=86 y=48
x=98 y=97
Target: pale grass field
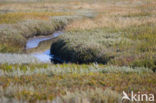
x=119 y=15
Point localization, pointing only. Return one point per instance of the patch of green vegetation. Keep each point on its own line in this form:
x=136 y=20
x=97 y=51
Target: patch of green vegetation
x=145 y=47
x=7 y=48
x=139 y=14
x=24 y=67
x=146 y=34
x=145 y=62
x=86 y=46
x=48 y=69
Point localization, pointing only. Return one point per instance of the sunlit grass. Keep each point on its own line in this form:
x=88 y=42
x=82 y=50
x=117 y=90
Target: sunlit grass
x=19 y=16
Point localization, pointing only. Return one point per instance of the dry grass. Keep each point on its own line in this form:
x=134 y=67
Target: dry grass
x=111 y=22
x=118 y=14
x=96 y=95
x=9 y=18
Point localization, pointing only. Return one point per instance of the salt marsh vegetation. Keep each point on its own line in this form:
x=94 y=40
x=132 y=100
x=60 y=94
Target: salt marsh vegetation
x=19 y=70
x=110 y=47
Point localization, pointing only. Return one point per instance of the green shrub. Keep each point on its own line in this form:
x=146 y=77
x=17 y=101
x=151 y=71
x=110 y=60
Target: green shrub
x=85 y=46
x=149 y=63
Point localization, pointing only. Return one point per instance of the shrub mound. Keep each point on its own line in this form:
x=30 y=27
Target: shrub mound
x=88 y=46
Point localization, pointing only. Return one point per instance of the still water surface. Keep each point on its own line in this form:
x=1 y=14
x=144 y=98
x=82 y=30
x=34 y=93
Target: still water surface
x=34 y=42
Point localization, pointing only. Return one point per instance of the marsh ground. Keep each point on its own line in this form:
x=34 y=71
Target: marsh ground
x=113 y=42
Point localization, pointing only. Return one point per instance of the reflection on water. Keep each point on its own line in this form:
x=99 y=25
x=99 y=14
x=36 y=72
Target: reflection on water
x=56 y=34
x=44 y=56
x=34 y=42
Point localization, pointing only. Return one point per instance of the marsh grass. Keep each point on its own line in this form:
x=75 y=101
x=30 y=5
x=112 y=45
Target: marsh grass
x=68 y=86
x=131 y=45
x=145 y=48
x=25 y=69
x=16 y=35
x=122 y=36
x=97 y=45
x=39 y=83
x=96 y=95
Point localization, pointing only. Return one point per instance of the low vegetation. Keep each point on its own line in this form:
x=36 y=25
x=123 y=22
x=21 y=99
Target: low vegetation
x=14 y=36
x=133 y=46
x=90 y=95
x=109 y=46
x=123 y=38
x=71 y=82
